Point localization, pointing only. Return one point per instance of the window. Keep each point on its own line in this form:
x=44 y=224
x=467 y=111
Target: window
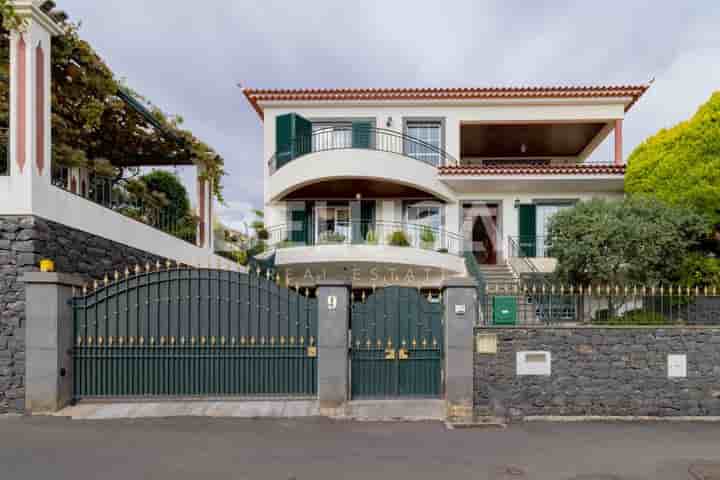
x=333 y=222
x=429 y=134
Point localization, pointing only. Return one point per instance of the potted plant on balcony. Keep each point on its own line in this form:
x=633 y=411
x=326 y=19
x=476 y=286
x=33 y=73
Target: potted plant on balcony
x=371 y=238
x=398 y=239
x=332 y=237
x=427 y=238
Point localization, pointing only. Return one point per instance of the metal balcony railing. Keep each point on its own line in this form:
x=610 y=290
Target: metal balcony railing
x=343 y=138
x=531 y=246
x=112 y=194
x=399 y=234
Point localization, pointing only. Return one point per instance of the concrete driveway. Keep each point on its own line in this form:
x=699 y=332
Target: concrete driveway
x=314 y=449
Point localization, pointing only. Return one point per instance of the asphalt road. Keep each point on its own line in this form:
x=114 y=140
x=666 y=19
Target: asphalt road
x=206 y=448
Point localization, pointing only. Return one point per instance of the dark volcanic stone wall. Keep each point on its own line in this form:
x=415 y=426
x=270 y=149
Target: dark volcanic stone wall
x=24 y=241
x=601 y=371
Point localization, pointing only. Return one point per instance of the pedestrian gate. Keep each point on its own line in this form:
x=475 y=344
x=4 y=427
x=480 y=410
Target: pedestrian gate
x=396 y=344
x=194 y=332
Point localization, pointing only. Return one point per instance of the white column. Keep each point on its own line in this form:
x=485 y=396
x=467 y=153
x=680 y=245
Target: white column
x=205 y=211
x=30 y=106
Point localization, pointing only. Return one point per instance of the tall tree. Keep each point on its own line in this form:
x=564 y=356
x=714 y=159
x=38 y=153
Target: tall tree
x=681 y=165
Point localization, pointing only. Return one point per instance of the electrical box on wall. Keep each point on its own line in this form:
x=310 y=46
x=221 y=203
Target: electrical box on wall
x=533 y=363
x=677 y=366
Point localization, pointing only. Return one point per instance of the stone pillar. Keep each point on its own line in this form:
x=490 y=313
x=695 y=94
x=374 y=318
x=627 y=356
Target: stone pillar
x=205 y=211
x=30 y=105
x=49 y=340
x=618 y=142
x=333 y=323
x=461 y=314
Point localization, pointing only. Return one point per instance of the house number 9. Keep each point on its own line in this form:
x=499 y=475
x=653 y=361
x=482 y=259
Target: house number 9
x=332 y=302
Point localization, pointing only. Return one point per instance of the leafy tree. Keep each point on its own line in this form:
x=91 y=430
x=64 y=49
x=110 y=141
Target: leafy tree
x=681 y=165
x=92 y=125
x=168 y=184
x=638 y=239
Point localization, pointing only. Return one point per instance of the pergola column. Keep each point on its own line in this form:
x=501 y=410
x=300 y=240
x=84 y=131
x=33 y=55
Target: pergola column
x=30 y=136
x=205 y=210
x=618 y=142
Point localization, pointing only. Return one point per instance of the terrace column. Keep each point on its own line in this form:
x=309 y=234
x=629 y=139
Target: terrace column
x=205 y=210
x=618 y=142
x=30 y=103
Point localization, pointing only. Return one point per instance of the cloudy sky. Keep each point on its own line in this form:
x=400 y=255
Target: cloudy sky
x=189 y=56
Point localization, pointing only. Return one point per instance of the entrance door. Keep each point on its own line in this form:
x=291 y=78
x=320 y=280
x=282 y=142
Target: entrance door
x=397 y=344
x=481 y=223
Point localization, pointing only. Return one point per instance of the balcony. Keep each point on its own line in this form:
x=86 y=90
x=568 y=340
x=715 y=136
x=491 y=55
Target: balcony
x=359 y=137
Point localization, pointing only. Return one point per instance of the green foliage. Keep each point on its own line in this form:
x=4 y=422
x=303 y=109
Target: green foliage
x=371 y=238
x=681 y=165
x=398 y=239
x=637 y=239
x=427 y=237
x=167 y=183
x=633 y=317
x=700 y=270
x=91 y=122
x=331 y=237
x=10 y=19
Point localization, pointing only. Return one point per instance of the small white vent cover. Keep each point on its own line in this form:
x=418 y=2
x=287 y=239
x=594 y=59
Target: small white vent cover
x=533 y=363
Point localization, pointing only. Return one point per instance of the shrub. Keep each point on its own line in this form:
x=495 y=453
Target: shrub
x=633 y=317
x=427 y=237
x=398 y=239
x=698 y=270
x=332 y=237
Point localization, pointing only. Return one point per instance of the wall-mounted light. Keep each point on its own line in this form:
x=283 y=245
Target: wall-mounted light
x=517 y=203
x=358 y=196
x=523 y=148
x=388 y=122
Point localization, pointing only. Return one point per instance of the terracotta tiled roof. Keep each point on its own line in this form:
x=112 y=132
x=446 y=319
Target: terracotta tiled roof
x=581 y=169
x=255 y=96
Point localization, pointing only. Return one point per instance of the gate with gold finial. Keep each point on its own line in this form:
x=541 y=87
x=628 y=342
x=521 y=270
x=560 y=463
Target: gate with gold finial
x=173 y=331
x=396 y=343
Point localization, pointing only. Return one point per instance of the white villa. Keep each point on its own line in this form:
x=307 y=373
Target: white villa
x=402 y=185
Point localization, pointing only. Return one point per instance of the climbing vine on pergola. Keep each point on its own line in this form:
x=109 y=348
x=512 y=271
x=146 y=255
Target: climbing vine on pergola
x=100 y=123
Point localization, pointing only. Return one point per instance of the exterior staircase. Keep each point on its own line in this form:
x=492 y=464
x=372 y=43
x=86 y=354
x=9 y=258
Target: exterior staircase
x=500 y=274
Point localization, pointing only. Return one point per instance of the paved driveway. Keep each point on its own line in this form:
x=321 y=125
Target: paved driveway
x=315 y=449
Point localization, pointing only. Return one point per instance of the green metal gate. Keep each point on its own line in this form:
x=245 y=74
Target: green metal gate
x=180 y=332
x=397 y=344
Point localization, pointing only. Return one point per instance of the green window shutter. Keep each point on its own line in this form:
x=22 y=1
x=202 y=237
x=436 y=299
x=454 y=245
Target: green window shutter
x=303 y=136
x=297 y=222
x=361 y=134
x=367 y=217
x=283 y=139
x=527 y=230
x=293 y=137
x=310 y=222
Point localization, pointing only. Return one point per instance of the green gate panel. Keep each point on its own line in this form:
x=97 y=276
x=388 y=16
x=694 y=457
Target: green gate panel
x=395 y=318
x=528 y=231
x=367 y=218
x=504 y=310
x=299 y=222
x=194 y=332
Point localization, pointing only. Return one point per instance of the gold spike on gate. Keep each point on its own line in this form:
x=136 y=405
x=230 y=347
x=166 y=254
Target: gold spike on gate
x=116 y=275
x=137 y=269
x=127 y=272
x=435 y=342
x=106 y=280
x=368 y=343
x=147 y=267
x=302 y=340
x=121 y=340
x=424 y=342
x=378 y=343
x=312 y=341
x=389 y=342
x=307 y=292
x=272 y=340
x=363 y=296
x=282 y=340
x=292 y=340
x=414 y=343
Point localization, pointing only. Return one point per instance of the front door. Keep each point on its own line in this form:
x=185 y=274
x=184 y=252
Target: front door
x=396 y=344
x=484 y=235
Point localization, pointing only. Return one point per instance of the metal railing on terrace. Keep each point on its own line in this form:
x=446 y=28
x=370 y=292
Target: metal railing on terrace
x=399 y=234
x=343 y=138
x=113 y=195
x=524 y=246
x=541 y=303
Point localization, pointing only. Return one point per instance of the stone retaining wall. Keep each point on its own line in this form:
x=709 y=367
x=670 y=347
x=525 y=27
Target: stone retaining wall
x=600 y=371
x=24 y=240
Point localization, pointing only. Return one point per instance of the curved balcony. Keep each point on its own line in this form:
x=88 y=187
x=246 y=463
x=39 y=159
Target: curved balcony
x=368 y=138
x=370 y=233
